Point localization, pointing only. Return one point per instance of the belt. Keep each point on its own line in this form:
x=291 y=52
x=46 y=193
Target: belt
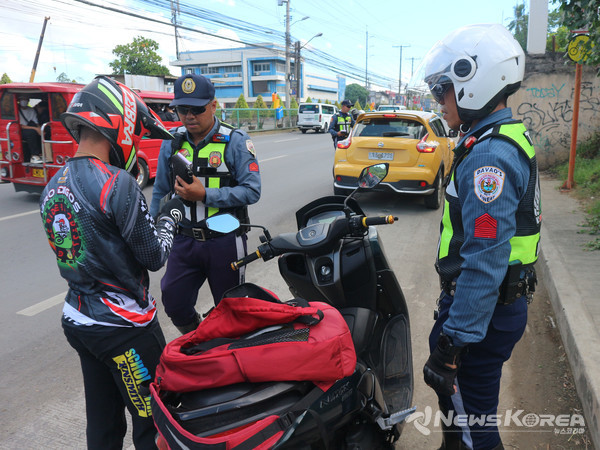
x=200 y=234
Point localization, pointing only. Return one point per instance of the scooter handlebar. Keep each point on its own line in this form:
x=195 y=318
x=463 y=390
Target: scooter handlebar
x=383 y=220
x=246 y=260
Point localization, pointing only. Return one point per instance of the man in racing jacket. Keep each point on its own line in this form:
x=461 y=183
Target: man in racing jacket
x=98 y=224
x=490 y=230
x=226 y=179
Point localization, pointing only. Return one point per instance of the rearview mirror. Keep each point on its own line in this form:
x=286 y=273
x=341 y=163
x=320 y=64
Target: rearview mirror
x=373 y=175
x=223 y=223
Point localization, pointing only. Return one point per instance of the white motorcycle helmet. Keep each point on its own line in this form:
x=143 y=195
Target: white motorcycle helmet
x=484 y=62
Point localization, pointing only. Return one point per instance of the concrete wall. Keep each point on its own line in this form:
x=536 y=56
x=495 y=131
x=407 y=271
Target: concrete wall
x=545 y=105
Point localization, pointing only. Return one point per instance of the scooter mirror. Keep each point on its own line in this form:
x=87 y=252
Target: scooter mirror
x=373 y=175
x=223 y=223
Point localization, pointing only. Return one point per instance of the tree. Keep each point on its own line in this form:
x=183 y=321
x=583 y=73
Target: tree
x=355 y=92
x=308 y=100
x=357 y=105
x=242 y=104
x=294 y=103
x=583 y=15
x=5 y=79
x=518 y=26
x=138 y=58
x=64 y=78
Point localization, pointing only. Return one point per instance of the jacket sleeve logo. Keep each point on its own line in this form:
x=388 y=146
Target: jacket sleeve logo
x=488 y=183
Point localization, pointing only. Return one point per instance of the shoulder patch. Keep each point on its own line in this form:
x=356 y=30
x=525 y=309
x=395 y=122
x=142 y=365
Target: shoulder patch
x=253 y=167
x=250 y=147
x=488 y=182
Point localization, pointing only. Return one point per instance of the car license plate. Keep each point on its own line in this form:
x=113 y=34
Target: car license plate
x=385 y=156
x=38 y=173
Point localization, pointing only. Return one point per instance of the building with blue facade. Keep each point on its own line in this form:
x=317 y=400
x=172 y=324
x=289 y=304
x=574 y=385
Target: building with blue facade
x=258 y=70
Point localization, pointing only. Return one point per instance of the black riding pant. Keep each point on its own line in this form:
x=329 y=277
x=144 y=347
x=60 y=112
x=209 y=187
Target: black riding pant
x=118 y=364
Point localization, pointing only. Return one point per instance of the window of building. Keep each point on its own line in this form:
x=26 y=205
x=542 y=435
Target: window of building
x=259 y=87
x=262 y=67
x=189 y=70
x=233 y=69
x=212 y=70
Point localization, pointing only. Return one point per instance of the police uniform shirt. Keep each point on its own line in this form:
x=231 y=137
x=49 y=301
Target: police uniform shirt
x=240 y=157
x=489 y=223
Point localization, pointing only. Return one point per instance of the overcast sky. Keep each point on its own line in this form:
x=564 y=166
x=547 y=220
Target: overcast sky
x=79 y=38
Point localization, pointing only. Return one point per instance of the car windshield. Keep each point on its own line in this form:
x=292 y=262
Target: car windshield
x=390 y=127
x=309 y=108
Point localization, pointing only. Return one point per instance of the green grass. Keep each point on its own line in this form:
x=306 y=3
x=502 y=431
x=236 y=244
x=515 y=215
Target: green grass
x=587 y=185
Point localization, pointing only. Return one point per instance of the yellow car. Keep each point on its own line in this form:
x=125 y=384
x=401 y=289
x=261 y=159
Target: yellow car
x=414 y=143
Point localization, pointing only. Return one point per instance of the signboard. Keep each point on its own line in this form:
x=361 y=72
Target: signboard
x=577 y=48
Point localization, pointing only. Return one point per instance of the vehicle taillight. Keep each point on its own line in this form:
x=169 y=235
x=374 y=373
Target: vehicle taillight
x=389 y=115
x=320 y=117
x=426 y=147
x=345 y=143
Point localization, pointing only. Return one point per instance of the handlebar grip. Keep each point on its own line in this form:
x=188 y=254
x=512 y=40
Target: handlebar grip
x=383 y=220
x=245 y=260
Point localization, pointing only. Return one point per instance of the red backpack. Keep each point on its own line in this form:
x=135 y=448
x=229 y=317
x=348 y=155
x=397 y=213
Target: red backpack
x=251 y=336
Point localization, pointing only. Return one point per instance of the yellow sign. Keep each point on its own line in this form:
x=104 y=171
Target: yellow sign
x=577 y=48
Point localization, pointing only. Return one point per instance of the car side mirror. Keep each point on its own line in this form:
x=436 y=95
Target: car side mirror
x=223 y=223
x=453 y=133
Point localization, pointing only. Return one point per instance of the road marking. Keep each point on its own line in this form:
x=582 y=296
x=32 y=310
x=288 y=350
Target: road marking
x=274 y=157
x=43 y=305
x=287 y=140
x=14 y=216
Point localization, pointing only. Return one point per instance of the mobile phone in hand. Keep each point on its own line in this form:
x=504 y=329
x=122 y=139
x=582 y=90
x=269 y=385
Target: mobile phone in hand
x=182 y=167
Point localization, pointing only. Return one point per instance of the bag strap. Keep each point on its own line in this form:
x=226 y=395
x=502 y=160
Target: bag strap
x=251 y=290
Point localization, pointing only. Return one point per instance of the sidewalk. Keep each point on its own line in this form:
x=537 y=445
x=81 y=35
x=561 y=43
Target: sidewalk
x=572 y=276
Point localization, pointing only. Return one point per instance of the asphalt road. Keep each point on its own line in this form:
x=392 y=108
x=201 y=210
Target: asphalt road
x=41 y=390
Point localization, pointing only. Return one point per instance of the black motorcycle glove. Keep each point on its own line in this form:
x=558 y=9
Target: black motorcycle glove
x=440 y=369
x=174 y=209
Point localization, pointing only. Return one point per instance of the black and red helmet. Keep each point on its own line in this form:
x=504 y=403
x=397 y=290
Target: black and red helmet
x=119 y=114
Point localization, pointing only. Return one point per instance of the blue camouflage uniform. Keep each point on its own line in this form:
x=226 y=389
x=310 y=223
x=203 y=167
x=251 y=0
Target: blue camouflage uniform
x=491 y=219
x=199 y=254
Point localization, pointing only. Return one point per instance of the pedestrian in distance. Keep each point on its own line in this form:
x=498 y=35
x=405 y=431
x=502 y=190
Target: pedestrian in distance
x=98 y=224
x=341 y=123
x=224 y=178
x=490 y=229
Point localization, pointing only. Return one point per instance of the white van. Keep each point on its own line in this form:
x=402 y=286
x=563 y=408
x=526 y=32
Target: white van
x=315 y=116
x=391 y=108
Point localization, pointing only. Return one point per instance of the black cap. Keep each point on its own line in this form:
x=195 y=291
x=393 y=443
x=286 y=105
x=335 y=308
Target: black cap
x=347 y=103
x=193 y=90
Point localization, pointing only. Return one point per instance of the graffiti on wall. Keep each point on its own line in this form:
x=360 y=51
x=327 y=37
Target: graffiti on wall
x=547 y=112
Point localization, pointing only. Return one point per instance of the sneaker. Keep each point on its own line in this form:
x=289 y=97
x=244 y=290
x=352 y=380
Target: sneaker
x=36 y=159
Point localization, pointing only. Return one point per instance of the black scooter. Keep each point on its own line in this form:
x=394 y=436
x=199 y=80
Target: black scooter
x=335 y=257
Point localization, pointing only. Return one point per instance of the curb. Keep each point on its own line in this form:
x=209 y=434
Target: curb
x=580 y=337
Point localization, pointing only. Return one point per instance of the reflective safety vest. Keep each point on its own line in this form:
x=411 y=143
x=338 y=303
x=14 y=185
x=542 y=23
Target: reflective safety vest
x=525 y=242
x=208 y=164
x=344 y=123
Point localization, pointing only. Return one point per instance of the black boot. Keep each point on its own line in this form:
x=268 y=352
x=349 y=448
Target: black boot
x=185 y=329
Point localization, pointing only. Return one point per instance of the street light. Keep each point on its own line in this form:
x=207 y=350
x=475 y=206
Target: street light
x=297 y=58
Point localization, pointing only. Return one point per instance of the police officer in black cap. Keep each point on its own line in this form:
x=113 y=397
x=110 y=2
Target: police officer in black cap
x=341 y=123
x=226 y=180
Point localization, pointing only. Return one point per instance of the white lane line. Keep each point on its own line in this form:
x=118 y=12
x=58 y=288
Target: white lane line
x=287 y=140
x=271 y=159
x=43 y=305
x=14 y=216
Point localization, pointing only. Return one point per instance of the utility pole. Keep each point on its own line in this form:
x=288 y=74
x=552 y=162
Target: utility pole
x=174 y=15
x=400 y=70
x=287 y=54
x=298 y=72
x=37 y=54
x=412 y=64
